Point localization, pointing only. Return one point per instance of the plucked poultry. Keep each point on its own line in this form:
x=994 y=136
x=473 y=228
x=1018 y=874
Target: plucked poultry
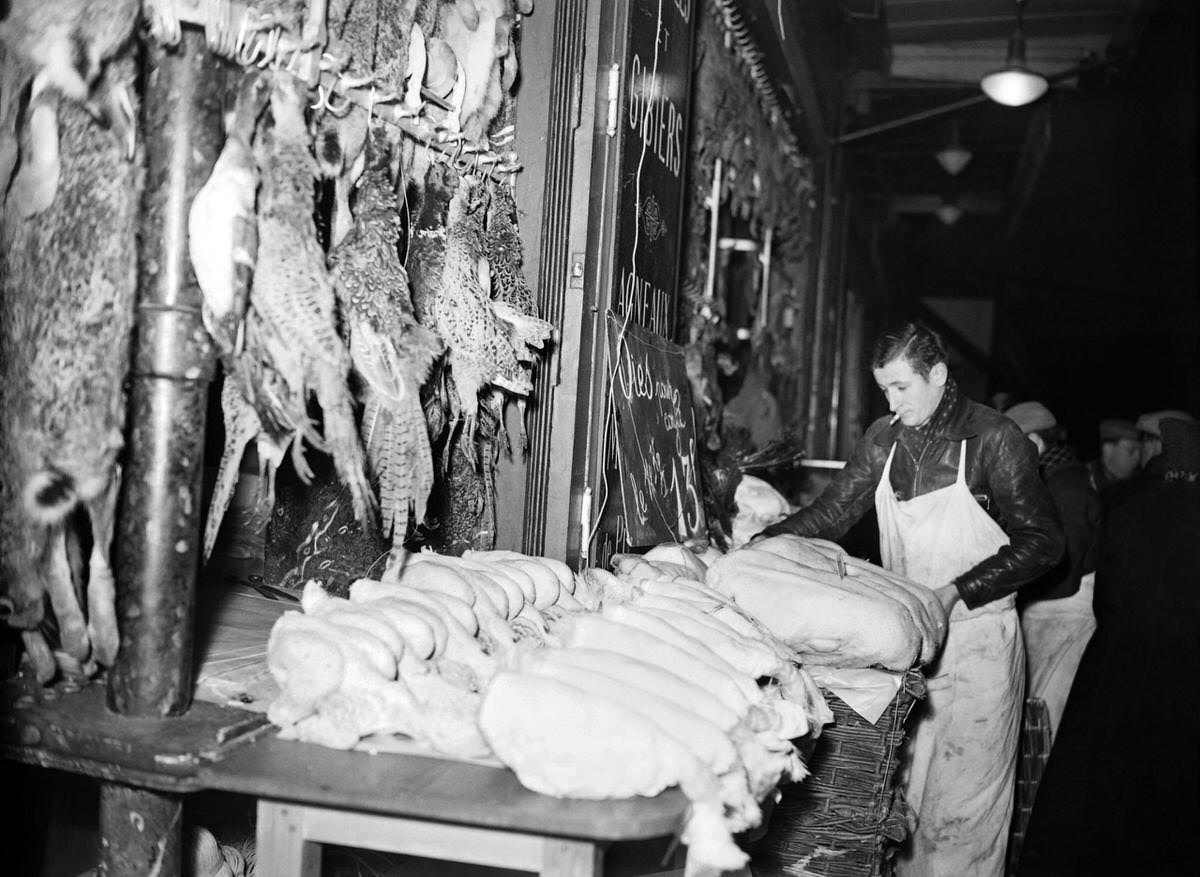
x=391 y=352
x=65 y=327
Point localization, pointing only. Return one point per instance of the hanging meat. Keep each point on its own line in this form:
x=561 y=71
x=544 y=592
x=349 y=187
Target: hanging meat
x=391 y=352
x=478 y=350
x=293 y=292
x=65 y=327
x=479 y=33
x=512 y=299
x=223 y=225
x=57 y=51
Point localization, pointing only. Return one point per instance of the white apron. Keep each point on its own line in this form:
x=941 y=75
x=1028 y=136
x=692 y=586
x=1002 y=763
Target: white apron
x=960 y=767
x=1056 y=632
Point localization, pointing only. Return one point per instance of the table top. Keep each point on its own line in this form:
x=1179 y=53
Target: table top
x=421 y=787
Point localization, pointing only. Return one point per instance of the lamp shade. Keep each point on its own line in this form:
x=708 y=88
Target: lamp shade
x=1014 y=84
x=948 y=212
x=953 y=158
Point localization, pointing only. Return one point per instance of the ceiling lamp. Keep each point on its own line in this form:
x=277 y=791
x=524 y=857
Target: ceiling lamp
x=953 y=157
x=948 y=212
x=1014 y=84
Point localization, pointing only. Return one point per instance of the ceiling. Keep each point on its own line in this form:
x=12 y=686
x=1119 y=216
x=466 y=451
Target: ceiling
x=913 y=71
x=1071 y=276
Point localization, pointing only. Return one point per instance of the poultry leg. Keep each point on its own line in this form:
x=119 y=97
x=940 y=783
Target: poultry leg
x=102 y=589
x=72 y=627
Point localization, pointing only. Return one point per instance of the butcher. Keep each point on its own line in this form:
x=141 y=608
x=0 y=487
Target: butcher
x=963 y=511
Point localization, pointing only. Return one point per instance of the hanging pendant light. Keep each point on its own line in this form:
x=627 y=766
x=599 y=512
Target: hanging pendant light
x=1014 y=84
x=948 y=212
x=953 y=157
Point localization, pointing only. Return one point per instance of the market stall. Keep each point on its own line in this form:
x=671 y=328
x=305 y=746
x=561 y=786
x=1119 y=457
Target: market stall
x=310 y=207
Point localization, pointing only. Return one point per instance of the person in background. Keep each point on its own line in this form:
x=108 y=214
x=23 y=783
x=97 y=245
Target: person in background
x=963 y=511
x=1121 y=791
x=1120 y=455
x=1056 y=609
x=1150 y=432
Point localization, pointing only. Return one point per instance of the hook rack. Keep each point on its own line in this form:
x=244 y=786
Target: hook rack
x=261 y=43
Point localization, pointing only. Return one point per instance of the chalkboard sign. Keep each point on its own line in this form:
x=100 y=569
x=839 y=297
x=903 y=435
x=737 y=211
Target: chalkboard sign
x=654 y=128
x=656 y=437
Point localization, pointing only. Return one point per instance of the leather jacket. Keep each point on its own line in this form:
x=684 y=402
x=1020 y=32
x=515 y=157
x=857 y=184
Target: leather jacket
x=1001 y=472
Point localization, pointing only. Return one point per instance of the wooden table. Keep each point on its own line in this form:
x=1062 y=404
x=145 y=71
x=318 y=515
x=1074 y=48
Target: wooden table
x=453 y=811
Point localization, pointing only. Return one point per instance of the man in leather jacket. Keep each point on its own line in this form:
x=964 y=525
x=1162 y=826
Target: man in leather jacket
x=963 y=511
x=1002 y=474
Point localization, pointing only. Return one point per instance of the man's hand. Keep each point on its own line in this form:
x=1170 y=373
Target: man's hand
x=949 y=596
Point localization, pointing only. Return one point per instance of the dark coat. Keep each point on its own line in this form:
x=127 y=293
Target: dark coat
x=1079 y=513
x=1001 y=472
x=1121 y=792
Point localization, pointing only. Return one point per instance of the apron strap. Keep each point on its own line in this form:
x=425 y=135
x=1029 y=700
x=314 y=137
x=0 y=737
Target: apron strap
x=962 y=463
x=887 y=467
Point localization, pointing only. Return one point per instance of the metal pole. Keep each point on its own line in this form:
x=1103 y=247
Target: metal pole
x=158 y=524
x=158 y=529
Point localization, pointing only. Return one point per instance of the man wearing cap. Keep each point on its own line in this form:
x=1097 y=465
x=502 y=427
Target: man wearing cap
x=1056 y=609
x=1150 y=431
x=1120 y=455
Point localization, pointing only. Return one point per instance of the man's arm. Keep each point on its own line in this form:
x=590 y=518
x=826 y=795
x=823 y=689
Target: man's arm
x=1030 y=520
x=845 y=499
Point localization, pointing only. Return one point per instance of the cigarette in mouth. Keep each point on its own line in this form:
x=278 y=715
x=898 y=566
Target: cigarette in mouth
x=892 y=422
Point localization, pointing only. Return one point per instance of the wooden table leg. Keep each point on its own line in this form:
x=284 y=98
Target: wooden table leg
x=283 y=850
x=571 y=858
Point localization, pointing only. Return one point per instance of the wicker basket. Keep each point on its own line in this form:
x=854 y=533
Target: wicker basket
x=846 y=819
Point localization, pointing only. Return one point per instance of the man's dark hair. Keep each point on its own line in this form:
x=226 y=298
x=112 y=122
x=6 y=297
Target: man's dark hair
x=919 y=346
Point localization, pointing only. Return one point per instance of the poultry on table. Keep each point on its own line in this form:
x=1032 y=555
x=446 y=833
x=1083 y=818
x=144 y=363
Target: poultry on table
x=293 y=292
x=392 y=353
x=65 y=329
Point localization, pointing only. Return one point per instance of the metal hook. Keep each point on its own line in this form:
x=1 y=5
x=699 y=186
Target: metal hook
x=337 y=112
x=240 y=45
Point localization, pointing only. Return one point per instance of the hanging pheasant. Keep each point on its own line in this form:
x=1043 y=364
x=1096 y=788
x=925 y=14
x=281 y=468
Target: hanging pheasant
x=512 y=299
x=391 y=352
x=293 y=293
x=478 y=351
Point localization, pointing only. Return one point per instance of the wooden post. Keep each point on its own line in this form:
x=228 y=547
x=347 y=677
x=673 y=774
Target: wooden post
x=140 y=832
x=158 y=526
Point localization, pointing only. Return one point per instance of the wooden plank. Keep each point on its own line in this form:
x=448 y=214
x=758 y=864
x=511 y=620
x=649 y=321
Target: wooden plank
x=433 y=789
x=431 y=840
x=568 y=858
x=281 y=849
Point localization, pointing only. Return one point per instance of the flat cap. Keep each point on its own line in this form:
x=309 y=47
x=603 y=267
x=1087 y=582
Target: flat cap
x=1113 y=430
x=1031 y=416
x=1152 y=422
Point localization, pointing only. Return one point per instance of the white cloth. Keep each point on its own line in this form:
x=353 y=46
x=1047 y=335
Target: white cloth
x=959 y=771
x=1056 y=632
